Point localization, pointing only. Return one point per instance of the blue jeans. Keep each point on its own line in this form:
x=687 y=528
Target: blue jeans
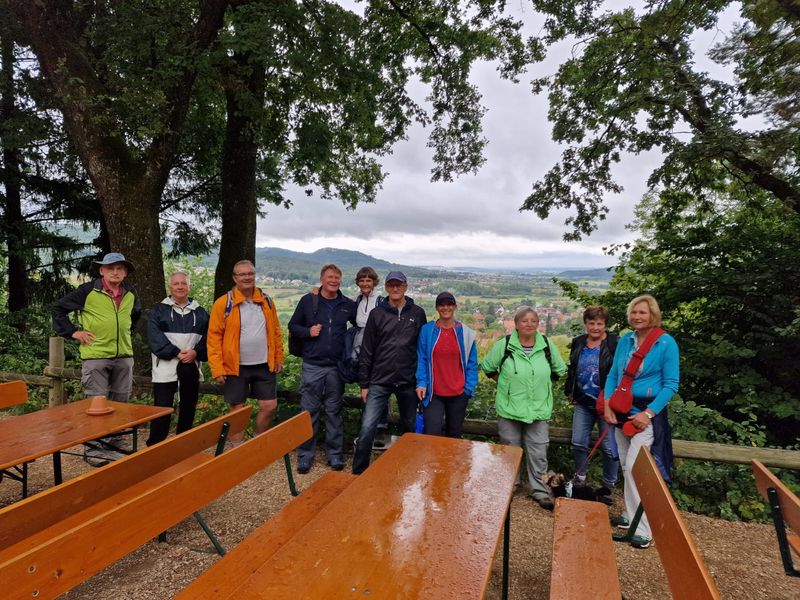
x=377 y=401
x=583 y=421
x=322 y=389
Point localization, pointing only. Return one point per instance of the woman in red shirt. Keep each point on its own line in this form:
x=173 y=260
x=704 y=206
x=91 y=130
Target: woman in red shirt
x=447 y=369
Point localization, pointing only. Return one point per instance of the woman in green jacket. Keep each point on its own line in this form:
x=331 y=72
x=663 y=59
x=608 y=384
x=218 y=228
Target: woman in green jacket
x=522 y=364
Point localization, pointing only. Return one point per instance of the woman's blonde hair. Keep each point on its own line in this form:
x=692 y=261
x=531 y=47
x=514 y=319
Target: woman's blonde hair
x=655 y=311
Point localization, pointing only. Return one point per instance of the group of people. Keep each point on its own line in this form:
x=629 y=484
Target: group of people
x=241 y=340
x=430 y=367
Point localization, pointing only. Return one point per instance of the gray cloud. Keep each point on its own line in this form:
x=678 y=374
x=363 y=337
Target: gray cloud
x=474 y=220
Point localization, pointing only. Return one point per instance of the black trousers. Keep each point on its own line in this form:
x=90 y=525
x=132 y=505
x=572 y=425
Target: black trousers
x=164 y=395
x=444 y=415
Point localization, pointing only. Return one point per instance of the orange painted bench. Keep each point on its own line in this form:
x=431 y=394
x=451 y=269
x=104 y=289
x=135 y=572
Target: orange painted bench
x=686 y=571
x=222 y=579
x=584 y=562
x=56 y=539
x=785 y=510
x=15 y=393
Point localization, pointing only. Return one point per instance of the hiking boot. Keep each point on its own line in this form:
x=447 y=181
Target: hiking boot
x=381 y=438
x=99 y=457
x=303 y=466
x=336 y=464
x=545 y=502
x=639 y=541
x=605 y=495
x=620 y=521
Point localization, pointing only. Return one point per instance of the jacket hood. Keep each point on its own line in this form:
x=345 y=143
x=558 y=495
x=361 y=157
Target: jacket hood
x=192 y=305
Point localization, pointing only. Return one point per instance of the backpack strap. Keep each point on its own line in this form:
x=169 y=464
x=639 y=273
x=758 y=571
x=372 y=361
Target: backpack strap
x=638 y=357
x=229 y=303
x=506 y=354
x=314 y=304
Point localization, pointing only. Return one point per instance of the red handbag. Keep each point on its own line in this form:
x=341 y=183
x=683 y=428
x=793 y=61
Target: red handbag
x=621 y=400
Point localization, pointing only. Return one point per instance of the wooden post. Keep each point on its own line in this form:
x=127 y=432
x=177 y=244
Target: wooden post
x=56 y=359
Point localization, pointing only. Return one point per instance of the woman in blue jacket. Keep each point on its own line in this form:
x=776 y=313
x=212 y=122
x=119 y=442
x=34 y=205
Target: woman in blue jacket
x=654 y=385
x=447 y=369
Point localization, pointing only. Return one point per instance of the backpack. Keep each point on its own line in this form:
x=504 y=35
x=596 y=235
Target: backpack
x=296 y=343
x=348 y=365
x=547 y=354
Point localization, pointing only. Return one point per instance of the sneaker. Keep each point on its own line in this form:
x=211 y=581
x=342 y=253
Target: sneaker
x=303 y=466
x=545 y=502
x=605 y=495
x=336 y=464
x=639 y=541
x=381 y=438
x=620 y=521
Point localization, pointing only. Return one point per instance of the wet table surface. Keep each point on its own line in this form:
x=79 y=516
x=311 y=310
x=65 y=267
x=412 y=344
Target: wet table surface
x=423 y=521
x=26 y=437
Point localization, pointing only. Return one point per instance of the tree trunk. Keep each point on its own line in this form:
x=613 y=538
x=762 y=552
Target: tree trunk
x=239 y=157
x=14 y=228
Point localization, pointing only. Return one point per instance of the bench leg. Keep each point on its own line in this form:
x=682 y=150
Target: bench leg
x=780 y=532
x=292 y=488
x=628 y=535
x=135 y=438
x=217 y=546
x=24 y=480
x=223 y=437
x=506 y=543
x=57 y=477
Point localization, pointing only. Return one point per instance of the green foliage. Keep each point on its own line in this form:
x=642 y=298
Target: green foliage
x=634 y=85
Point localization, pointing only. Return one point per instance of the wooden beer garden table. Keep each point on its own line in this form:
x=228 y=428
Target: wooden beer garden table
x=27 y=437
x=423 y=521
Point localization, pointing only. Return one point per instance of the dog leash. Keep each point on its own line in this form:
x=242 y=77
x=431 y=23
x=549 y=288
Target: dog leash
x=593 y=450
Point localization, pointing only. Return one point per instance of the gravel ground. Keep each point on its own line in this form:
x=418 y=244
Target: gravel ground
x=742 y=557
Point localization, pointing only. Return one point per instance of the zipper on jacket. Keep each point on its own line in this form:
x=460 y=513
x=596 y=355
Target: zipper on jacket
x=116 y=316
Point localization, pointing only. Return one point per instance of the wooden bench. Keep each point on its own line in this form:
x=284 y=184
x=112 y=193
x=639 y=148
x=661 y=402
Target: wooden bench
x=584 y=562
x=785 y=510
x=15 y=393
x=56 y=539
x=222 y=579
x=686 y=572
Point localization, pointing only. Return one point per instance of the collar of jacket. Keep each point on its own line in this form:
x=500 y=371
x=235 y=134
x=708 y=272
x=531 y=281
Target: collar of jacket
x=238 y=296
x=98 y=285
x=191 y=305
x=384 y=303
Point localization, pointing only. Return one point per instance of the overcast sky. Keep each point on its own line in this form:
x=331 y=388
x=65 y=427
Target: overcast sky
x=474 y=220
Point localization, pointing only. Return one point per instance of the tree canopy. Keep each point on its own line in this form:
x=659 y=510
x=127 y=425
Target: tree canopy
x=135 y=81
x=634 y=84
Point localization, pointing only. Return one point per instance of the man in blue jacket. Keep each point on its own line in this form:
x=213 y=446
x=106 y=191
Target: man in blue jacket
x=321 y=322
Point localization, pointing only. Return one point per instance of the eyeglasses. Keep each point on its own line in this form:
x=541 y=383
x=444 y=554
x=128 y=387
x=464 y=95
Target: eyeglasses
x=247 y=274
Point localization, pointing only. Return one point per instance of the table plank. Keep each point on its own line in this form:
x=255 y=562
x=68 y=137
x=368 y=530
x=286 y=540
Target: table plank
x=423 y=521
x=27 y=437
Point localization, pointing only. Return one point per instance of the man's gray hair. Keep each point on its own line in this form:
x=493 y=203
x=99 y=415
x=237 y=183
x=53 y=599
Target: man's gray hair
x=181 y=272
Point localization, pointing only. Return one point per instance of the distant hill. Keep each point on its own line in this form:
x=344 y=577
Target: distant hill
x=584 y=274
x=288 y=264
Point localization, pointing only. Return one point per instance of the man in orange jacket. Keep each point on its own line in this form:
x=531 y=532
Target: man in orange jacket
x=245 y=347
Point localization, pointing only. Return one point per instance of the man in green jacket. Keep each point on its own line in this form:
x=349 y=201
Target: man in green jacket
x=107 y=312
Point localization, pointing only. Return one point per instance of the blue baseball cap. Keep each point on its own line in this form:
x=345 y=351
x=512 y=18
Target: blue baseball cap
x=113 y=258
x=396 y=276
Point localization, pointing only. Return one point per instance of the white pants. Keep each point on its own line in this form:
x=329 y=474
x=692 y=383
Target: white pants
x=628 y=448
